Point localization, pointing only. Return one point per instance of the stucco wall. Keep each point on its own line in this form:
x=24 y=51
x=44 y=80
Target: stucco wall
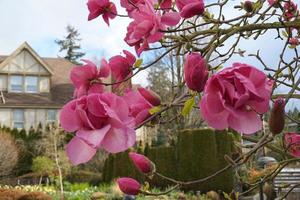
x=32 y=117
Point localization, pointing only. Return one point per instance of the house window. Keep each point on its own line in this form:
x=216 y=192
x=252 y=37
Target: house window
x=16 y=83
x=31 y=83
x=51 y=115
x=18 y=118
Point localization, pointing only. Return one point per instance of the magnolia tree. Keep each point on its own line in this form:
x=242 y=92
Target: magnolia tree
x=235 y=97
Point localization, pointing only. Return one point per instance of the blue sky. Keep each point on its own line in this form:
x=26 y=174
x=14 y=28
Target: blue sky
x=40 y=22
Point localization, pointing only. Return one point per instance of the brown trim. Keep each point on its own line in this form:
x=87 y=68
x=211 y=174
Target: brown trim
x=26 y=46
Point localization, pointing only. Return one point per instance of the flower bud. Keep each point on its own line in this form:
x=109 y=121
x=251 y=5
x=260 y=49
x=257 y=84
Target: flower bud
x=294 y=41
x=129 y=186
x=195 y=72
x=142 y=163
x=292 y=143
x=276 y=121
x=150 y=96
x=248 y=6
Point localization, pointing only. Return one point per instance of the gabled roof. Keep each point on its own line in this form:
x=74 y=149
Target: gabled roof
x=26 y=46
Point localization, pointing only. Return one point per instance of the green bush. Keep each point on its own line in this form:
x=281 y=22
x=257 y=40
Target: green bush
x=43 y=165
x=198 y=153
x=82 y=176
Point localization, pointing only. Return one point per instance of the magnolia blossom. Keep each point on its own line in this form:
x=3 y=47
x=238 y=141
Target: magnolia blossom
x=290 y=9
x=233 y=97
x=87 y=78
x=129 y=186
x=292 y=143
x=133 y=5
x=142 y=163
x=146 y=27
x=100 y=121
x=294 y=41
x=190 y=8
x=166 y=4
x=140 y=102
x=277 y=121
x=102 y=7
x=195 y=72
x=121 y=66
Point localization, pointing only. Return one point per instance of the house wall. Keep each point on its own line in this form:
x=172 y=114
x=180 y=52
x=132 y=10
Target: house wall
x=32 y=117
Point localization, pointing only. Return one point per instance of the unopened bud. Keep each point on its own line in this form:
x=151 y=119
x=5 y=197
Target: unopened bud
x=276 y=121
x=142 y=163
x=248 y=6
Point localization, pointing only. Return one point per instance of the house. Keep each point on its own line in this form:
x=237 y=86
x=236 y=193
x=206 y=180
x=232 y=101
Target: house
x=32 y=88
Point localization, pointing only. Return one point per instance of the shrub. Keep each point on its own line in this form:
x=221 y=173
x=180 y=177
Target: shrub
x=43 y=165
x=197 y=154
x=9 y=154
x=81 y=176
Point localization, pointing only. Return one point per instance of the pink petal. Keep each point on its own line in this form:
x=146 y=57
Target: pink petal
x=118 y=140
x=68 y=118
x=93 y=137
x=216 y=116
x=247 y=122
x=170 y=18
x=79 y=152
x=105 y=69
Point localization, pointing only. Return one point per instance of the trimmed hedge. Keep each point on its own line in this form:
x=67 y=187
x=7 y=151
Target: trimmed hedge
x=197 y=154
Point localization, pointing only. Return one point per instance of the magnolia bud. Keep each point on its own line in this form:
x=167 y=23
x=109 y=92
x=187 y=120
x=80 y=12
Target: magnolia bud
x=195 y=72
x=294 y=41
x=276 y=121
x=248 y=6
x=129 y=186
x=142 y=163
x=150 y=96
x=292 y=143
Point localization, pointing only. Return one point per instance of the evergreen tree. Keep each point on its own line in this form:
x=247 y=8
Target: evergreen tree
x=70 y=44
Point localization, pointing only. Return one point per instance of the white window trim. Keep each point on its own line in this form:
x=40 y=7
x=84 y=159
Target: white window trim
x=13 y=121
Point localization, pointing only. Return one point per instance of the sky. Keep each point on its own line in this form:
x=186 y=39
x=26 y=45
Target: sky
x=40 y=22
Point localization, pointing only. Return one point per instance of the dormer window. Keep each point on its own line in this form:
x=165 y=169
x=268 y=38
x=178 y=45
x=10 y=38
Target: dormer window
x=16 y=83
x=31 y=84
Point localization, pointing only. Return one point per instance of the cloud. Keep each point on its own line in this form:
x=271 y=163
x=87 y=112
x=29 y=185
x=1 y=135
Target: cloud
x=41 y=22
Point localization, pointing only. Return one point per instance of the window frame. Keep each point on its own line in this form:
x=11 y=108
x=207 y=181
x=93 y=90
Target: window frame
x=10 y=84
x=16 y=121
x=26 y=85
x=47 y=116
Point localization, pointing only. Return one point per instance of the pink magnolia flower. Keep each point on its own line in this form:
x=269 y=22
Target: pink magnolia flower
x=233 y=97
x=105 y=8
x=294 y=41
x=277 y=121
x=292 y=143
x=195 y=72
x=141 y=162
x=274 y=3
x=129 y=186
x=132 y=5
x=146 y=27
x=290 y=10
x=121 y=66
x=190 y=8
x=87 y=78
x=140 y=102
x=100 y=121
x=166 y=4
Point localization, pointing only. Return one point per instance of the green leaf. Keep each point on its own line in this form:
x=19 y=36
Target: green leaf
x=188 y=105
x=138 y=63
x=154 y=110
x=284 y=34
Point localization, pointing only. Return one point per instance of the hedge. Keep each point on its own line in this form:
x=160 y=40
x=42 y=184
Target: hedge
x=197 y=154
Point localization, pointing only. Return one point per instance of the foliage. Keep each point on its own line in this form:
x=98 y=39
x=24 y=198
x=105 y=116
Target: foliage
x=9 y=154
x=80 y=176
x=198 y=153
x=43 y=165
x=70 y=45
